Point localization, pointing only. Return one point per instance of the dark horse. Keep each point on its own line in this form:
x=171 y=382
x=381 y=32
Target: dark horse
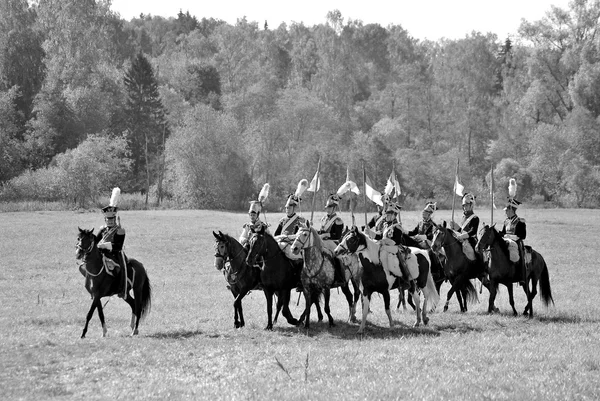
x=278 y=276
x=230 y=256
x=104 y=284
x=503 y=271
x=458 y=269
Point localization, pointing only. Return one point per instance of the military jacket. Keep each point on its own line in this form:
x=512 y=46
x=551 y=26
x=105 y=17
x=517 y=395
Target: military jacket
x=115 y=235
x=423 y=228
x=515 y=226
x=375 y=219
x=470 y=224
x=249 y=227
x=332 y=225
x=290 y=225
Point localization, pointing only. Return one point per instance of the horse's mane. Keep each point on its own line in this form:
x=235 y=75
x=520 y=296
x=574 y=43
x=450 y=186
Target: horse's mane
x=318 y=241
x=497 y=238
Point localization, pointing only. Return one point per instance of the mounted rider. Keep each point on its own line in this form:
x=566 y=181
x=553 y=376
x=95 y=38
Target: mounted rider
x=380 y=216
x=332 y=224
x=423 y=232
x=110 y=241
x=467 y=230
x=255 y=223
x=514 y=231
x=290 y=224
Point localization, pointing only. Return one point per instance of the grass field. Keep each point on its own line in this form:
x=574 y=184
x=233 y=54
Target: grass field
x=188 y=348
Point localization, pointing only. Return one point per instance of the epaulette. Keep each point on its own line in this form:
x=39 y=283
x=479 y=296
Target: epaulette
x=121 y=231
x=521 y=219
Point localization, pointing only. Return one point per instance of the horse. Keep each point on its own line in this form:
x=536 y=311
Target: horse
x=458 y=269
x=375 y=279
x=104 y=284
x=503 y=271
x=230 y=257
x=318 y=273
x=278 y=275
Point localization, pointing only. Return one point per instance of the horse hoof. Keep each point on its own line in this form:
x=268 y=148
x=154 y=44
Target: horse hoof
x=446 y=308
x=425 y=321
x=269 y=328
x=417 y=324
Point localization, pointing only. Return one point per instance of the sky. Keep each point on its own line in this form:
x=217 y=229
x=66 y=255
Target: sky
x=423 y=19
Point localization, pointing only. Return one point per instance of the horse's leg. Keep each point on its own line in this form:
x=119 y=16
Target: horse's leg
x=493 y=288
x=239 y=312
x=308 y=303
x=318 y=308
x=135 y=311
x=94 y=305
x=350 y=300
x=356 y=288
x=236 y=321
x=326 y=297
x=511 y=298
x=269 y=297
x=101 y=316
x=459 y=298
x=284 y=299
x=424 y=311
x=532 y=294
x=366 y=299
x=417 y=298
x=386 y=305
x=450 y=293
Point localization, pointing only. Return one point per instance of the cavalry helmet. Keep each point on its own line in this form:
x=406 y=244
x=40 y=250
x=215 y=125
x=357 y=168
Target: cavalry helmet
x=430 y=207
x=468 y=198
x=332 y=200
x=255 y=207
x=512 y=204
x=292 y=200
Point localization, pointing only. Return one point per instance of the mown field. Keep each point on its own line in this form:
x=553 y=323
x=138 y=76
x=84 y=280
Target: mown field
x=188 y=348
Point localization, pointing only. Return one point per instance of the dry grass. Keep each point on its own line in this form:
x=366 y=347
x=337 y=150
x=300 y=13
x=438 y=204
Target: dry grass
x=188 y=348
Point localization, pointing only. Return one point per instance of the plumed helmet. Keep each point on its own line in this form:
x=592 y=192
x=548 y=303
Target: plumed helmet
x=430 y=207
x=393 y=207
x=292 y=200
x=512 y=203
x=332 y=200
x=255 y=207
x=385 y=198
x=468 y=198
x=110 y=211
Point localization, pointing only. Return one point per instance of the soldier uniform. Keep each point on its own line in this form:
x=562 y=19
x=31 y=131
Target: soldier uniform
x=470 y=221
x=110 y=240
x=332 y=224
x=515 y=229
x=255 y=223
x=424 y=229
x=290 y=224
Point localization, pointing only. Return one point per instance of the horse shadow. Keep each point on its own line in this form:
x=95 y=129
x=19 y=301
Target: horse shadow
x=181 y=334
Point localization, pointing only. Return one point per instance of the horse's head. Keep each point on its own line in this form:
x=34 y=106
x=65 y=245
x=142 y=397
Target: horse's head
x=350 y=242
x=486 y=237
x=86 y=240
x=441 y=236
x=303 y=240
x=258 y=245
x=221 y=250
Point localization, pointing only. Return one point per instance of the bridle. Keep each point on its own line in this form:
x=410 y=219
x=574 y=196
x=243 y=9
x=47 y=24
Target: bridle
x=86 y=252
x=343 y=243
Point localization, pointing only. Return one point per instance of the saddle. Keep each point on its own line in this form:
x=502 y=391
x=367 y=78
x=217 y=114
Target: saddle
x=285 y=244
x=513 y=251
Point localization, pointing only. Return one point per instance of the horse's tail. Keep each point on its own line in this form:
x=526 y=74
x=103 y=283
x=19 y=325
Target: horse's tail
x=471 y=297
x=545 y=290
x=146 y=298
x=430 y=292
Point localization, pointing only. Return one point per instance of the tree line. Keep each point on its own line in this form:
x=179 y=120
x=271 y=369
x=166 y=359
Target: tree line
x=203 y=113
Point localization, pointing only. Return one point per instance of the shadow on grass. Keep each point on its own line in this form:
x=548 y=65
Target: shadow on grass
x=563 y=318
x=344 y=330
x=179 y=334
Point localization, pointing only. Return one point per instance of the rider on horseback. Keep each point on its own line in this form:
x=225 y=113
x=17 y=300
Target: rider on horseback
x=515 y=229
x=289 y=224
x=255 y=223
x=331 y=230
x=423 y=232
x=467 y=231
x=110 y=240
x=380 y=216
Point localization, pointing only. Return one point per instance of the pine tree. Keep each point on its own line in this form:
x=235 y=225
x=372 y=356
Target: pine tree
x=147 y=128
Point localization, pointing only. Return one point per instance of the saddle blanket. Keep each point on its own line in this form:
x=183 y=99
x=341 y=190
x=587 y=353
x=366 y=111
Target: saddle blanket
x=513 y=251
x=110 y=265
x=388 y=254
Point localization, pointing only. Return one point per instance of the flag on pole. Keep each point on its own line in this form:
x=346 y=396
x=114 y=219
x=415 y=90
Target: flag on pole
x=392 y=185
x=352 y=184
x=458 y=187
x=315 y=184
x=371 y=192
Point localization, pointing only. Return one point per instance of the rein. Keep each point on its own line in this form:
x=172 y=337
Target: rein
x=86 y=252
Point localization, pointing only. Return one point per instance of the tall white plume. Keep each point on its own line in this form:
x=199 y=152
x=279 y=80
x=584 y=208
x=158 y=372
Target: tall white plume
x=302 y=186
x=264 y=193
x=114 y=198
x=512 y=187
x=344 y=188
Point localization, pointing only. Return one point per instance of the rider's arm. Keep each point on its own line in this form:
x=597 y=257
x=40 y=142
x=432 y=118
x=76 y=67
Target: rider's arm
x=521 y=230
x=336 y=231
x=118 y=240
x=278 y=229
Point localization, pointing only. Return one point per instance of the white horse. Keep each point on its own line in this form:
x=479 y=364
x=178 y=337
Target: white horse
x=318 y=272
x=377 y=279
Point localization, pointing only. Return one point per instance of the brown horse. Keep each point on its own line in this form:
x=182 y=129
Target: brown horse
x=230 y=257
x=458 y=269
x=102 y=283
x=503 y=271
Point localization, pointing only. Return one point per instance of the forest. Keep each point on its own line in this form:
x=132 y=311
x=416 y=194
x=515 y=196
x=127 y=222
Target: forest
x=200 y=113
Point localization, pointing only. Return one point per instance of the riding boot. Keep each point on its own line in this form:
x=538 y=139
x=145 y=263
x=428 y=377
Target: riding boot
x=403 y=267
x=123 y=278
x=522 y=265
